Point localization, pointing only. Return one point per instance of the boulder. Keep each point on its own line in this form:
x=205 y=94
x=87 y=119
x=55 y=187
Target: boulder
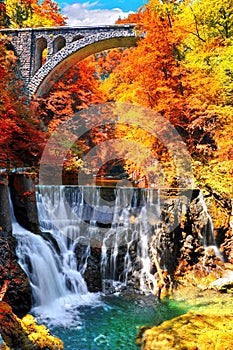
x=12 y=330
x=25 y=334
x=225 y=283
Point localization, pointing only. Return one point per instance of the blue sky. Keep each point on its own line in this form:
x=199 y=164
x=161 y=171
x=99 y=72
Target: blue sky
x=96 y=12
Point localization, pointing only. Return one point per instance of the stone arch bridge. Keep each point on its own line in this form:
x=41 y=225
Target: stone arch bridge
x=65 y=47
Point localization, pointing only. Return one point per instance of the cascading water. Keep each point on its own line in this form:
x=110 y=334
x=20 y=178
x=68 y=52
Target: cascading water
x=120 y=224
x=129 y=227
x=58 y=288
x=63 y=234
x=67 y=220
x=208 y=236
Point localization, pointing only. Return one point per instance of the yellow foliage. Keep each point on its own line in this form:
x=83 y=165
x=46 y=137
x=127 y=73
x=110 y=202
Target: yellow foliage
x=31 y=13
x=4 y=347
x=40 y=335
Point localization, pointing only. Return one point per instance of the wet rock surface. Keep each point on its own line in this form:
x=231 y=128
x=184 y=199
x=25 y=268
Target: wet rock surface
x=18 y=293
x=5 y=219
x=22 y=188
x=91 y=266
x=178 y=241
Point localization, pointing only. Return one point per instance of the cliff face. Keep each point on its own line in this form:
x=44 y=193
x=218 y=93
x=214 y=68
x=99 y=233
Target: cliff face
x=178 y=238
x=18 y=293
x=5 y=217
x=23 y=196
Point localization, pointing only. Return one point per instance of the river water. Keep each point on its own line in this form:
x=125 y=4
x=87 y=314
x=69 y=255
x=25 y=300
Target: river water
x=115 y=323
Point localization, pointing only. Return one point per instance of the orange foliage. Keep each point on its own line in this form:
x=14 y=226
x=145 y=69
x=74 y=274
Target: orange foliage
x=78 y=89
x=20 y=138
x=49 y=9
x=150 y=75
x=133 y=18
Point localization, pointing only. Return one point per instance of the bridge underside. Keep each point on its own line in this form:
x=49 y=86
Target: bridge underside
x=52 y=71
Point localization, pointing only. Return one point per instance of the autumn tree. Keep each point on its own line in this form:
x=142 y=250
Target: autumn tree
x=21 y=140
x=22 y=137
x=181 y=68
x=150 y=75
x=76 y=90
x=32 y=13
x=4 y=19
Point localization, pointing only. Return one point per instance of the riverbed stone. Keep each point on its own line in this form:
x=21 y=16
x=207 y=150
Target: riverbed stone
x=225 y=283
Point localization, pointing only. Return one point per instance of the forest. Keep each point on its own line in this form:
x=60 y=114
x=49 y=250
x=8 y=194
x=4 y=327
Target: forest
x=174 y=90
x=181 y=68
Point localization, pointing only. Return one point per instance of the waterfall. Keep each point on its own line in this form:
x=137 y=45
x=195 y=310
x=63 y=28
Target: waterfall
x=123 y=226
x=58 y=289
x=208 y=236
x=74 y=221
x=118 y=220
x=129 y=235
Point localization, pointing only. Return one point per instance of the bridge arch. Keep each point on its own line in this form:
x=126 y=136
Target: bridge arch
x=41 y=45
x=66 y=57
x=59 y=43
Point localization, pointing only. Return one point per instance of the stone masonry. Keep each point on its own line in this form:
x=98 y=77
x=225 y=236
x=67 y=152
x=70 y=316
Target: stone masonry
x=65 y=46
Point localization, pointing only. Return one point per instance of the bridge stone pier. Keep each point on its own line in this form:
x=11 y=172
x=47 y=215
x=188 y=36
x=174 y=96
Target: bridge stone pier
x=65 y=47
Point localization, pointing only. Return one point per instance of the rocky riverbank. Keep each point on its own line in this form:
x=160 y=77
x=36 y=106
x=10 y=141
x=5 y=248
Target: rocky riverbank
x=193 y=331
x=181 y=247
x=208 y=324
x=25 y=333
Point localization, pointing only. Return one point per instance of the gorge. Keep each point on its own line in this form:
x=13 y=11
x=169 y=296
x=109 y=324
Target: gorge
x=89 y=244
x=116 y=209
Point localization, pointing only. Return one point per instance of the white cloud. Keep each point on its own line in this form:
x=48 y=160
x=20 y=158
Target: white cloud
x=84 y=15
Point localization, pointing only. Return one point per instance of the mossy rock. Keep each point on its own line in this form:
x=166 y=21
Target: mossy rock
x=25 y=333
x=193 y=331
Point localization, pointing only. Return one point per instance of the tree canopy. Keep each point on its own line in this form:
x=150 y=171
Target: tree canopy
x=22 y=136
x=181 y=68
